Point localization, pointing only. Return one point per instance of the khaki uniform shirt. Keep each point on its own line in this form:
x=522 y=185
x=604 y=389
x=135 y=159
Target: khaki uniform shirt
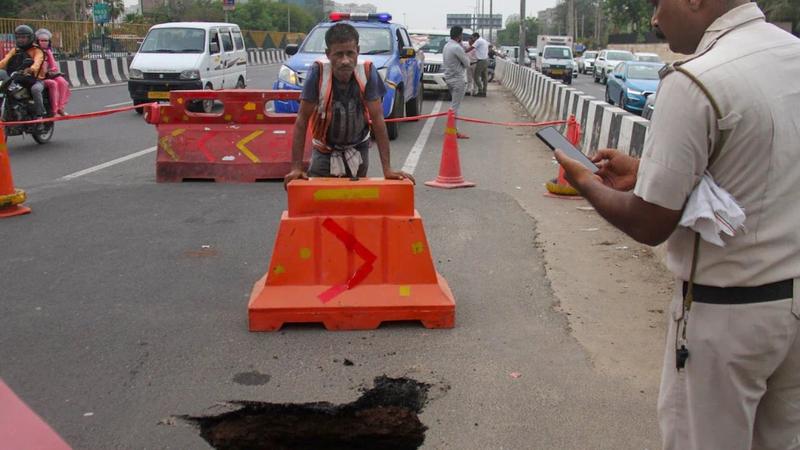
x=751 y=68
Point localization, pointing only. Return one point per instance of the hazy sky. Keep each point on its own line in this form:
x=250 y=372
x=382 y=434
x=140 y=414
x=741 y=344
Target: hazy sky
x=433 y=13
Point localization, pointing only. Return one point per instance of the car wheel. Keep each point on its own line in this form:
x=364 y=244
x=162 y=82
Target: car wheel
x=596 y=80
x=608 y=97
x=398 y=111
x=139 y=109
x=622 y=101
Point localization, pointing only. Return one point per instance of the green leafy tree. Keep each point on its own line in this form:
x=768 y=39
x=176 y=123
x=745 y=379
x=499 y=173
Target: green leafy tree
x=633 y=13
x=510 y=35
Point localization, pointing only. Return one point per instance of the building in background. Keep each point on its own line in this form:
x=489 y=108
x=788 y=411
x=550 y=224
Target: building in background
x=548 y=21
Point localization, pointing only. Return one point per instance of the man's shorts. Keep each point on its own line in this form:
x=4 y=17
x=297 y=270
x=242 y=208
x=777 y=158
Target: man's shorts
x=321 y=162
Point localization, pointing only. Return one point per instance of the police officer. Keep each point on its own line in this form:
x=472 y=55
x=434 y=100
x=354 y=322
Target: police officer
x=26 y=48
x=730 y=110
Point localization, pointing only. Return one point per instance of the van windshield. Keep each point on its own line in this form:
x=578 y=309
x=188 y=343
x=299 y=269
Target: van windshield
x=557 y=53
x=371 y=41
x=174 y=40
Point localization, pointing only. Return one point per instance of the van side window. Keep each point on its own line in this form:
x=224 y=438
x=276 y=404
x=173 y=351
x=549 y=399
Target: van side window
x=237 y=39
x=213 y=37
x=227 y=42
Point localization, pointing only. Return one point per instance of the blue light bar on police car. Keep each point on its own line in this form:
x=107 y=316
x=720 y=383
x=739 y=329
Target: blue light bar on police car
x=381 y=17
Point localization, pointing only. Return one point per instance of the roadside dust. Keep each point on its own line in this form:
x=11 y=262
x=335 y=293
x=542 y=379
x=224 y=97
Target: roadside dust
x=613 y=290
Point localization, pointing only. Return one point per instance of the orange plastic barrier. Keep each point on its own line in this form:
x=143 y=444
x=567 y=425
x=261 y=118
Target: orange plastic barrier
x=242 y=143
x=10 y=199
x=559 y=187
x=351 y=254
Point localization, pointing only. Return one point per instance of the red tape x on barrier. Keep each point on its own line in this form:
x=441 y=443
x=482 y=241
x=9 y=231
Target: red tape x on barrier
x=351 y=244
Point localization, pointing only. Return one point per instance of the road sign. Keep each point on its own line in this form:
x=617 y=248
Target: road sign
x=101 y=12
x=228 y=5
x=580 y=48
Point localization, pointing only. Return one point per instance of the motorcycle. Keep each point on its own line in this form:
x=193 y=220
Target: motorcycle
x=16 y=105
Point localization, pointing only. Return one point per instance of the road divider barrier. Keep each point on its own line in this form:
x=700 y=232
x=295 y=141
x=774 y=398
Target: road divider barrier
x=450 y=166
x=604 y=126
x=242 y=143
x=351 y=255
x=559 y=187
x=11 y=199
x=98 y=72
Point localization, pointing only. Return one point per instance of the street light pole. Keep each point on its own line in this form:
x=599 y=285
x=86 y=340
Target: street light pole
x=522 y=32
x=491 y=22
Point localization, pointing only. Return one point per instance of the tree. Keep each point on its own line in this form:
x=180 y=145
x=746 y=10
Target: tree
x=510 y=35
x=633 y=13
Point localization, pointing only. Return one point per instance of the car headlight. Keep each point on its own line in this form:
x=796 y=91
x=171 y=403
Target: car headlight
x=135 y=74
x=190 y=75
x=288 y=76
x=383 y=72
x=633 y=92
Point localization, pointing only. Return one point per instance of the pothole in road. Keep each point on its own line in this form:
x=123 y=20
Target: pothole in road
x=384 y=417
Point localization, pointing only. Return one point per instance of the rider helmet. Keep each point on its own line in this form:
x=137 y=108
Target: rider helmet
x=24 y=36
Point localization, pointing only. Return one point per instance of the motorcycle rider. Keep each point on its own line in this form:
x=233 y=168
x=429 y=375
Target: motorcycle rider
x=13 y=61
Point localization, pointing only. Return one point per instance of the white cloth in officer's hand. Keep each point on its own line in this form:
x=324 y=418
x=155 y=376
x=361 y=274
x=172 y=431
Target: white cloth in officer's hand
x=338 y=158
x=711 y=210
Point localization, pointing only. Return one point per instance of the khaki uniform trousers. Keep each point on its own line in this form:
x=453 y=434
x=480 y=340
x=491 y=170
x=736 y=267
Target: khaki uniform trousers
x=740 y=389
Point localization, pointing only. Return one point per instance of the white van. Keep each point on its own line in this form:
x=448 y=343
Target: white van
x=187 y=55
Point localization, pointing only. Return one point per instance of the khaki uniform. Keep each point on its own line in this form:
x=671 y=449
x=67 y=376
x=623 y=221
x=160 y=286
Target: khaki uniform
x=741 y=385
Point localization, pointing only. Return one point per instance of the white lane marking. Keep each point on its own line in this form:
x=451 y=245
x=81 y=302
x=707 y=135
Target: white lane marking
x=108 y=164
x=114 y=105
x=422 y=139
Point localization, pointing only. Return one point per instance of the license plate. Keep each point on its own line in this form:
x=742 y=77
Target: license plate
x=158 y=95
x=558 y=72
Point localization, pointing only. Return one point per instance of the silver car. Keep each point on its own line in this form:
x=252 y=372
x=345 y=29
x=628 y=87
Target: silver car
x=586 y=62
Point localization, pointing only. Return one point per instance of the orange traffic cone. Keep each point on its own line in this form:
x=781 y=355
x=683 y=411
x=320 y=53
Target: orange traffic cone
x=10 y=199
x=450 y=168
x=559 y=187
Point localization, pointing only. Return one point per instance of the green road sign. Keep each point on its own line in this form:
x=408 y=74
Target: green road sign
x=101 y=12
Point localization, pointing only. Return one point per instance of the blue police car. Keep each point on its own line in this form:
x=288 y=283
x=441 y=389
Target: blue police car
x=386 y=44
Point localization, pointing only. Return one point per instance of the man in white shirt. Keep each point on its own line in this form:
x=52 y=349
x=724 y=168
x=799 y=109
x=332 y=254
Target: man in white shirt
x=481 y=49
x=473 y=60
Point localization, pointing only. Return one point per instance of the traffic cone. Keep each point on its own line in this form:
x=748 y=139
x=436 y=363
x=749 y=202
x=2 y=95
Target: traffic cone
x=559 y=187
x=10 y=199
x=450 y=168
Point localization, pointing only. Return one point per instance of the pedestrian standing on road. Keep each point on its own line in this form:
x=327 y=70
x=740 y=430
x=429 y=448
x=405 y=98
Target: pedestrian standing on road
x=340 y=96
x=471 y=86
x=455 y=64
x=481 y=47
x=722 y=123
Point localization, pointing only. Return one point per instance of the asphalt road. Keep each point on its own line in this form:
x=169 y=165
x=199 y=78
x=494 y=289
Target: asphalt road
x=585 y=83
x=124 y=301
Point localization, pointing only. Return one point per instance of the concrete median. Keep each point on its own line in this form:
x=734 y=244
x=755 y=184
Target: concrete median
x=98 y=72
x=604 y=125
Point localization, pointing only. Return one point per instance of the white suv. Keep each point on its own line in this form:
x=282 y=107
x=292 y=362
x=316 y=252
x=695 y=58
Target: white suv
x=606 y=61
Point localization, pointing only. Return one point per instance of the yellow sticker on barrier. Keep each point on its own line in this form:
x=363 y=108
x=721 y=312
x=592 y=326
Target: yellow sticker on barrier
x=228 y=117
x=259 y=116
x=279 y=269
x=305 y=253
x=249 y=106
x=417 y=248
x=405 y=291
x=165 y=143
x=185 y=118
x=323 y=195
x=180 y=100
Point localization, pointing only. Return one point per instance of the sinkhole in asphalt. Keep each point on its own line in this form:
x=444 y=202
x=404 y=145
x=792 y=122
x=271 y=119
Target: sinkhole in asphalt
x=385 y=417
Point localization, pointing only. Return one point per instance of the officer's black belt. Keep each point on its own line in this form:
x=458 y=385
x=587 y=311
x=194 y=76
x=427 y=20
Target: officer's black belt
x=779 y=290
